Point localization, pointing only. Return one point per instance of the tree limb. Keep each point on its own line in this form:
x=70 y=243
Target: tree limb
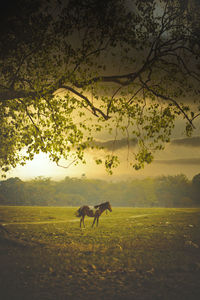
x=168 y=99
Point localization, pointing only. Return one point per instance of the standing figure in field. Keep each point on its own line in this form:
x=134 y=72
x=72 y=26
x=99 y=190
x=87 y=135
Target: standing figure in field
x=94 y=212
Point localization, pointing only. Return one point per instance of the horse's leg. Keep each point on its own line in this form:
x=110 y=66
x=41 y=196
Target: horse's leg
x=97 y=221
x=80 y=221
x=94 y=221
x=83 y=221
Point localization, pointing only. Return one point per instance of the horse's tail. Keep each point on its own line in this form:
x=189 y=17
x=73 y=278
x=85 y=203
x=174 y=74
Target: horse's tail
x=78 y=212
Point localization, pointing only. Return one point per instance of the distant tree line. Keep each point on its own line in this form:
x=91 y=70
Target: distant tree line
x=164 y=191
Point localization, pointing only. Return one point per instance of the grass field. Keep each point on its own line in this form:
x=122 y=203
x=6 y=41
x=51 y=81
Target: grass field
x=135 y=253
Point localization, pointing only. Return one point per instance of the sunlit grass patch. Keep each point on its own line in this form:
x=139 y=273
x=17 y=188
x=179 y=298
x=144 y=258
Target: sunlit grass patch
x=132 y=250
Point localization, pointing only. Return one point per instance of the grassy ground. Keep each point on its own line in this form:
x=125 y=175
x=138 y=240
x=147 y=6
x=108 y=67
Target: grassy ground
x=135 y=253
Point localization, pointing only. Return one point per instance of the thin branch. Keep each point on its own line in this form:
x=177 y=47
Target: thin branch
x=96 y=51
x=94 y=109
x=168 y=99
x=110 y=102
x=66 y=167
x=196 y=116
x=31 y=119
x=134 y=95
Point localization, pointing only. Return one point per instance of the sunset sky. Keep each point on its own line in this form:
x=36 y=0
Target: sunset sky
x=181 y=155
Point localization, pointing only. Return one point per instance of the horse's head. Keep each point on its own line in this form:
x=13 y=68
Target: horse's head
x=108 y=206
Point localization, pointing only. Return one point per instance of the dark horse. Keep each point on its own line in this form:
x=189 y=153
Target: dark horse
x=94 y=212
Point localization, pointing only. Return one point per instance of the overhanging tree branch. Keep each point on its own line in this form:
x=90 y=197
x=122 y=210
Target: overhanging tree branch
x=112 y=51
x=164 y=97
x=94 y=109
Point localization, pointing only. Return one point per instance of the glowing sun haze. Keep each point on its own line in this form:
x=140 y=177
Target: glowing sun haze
x=180 y=156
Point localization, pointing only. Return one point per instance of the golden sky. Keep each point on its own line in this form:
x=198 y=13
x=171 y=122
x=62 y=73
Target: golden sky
x=181 y=156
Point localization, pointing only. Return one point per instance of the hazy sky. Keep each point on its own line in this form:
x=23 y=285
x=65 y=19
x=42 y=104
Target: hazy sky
x=181 y=155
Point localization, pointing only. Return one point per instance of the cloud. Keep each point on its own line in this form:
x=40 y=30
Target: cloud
x=187 y=142
x=180 y=161
x=116 y=144
x=123 y=143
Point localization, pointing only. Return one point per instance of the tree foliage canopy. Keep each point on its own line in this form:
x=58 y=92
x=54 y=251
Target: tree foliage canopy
x=70 y=69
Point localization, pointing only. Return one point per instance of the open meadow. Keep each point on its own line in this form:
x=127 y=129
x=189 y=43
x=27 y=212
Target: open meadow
x=135 y=253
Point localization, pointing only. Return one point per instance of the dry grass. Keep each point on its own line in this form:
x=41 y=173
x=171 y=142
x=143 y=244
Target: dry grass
x=133 y=254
